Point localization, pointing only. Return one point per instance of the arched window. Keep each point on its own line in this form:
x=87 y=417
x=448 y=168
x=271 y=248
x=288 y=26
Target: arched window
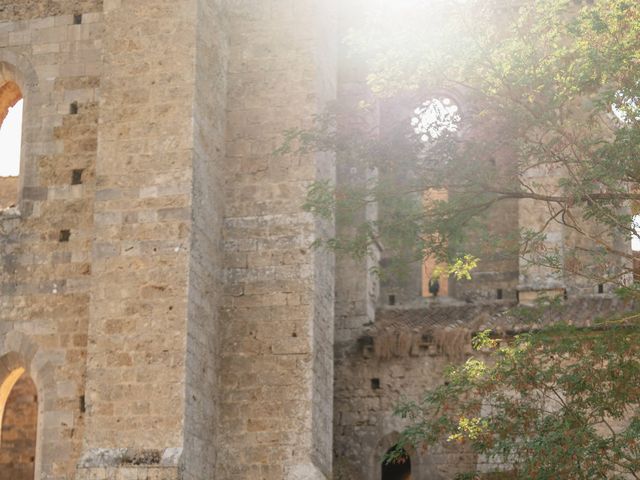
x=10 y=142
x=432 y=120
x=18 y=417
x=435 y=275
x=429 y=126
x=398 y=470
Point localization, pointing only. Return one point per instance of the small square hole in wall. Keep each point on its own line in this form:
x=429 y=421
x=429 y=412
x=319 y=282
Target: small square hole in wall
x=600 y=288
x=77 y=19
x=65 y=235
x=499 y=294
x=76 y=176
x=392 y=299
x=375 y=384
x=73 y=108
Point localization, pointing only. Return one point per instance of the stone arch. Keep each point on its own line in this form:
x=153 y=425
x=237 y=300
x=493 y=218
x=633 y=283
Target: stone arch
x=10 y=94
x=497 y=275
x=397 y=115
x=22 y=354
x=18 y=426
x=16 y=68
x=384 y=445
x=18 y=81
x=400 y=470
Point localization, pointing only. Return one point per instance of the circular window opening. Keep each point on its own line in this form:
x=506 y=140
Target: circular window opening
x=435 y=118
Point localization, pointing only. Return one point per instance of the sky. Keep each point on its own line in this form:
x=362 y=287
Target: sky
x=10 y=139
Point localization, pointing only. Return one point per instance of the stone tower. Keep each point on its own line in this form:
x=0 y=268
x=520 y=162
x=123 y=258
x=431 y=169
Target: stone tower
x=157 y=283
x=162 y=315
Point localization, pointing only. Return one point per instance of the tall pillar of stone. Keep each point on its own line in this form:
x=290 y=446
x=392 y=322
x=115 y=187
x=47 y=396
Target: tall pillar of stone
x=357 y=284
x=206 y=252
x=536 y=279
x=277 y=320
x=150 y=379
x=357 y=287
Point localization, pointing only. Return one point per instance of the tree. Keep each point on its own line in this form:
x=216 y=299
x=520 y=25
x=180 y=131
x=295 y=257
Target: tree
x=553 y=86
x=558 y=403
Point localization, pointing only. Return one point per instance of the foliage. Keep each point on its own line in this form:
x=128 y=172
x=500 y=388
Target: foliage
x=549 y=96
x=548 y=93
x=559 y=403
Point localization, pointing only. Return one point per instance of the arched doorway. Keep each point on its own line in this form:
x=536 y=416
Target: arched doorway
x=398 y=470
x=18 y=415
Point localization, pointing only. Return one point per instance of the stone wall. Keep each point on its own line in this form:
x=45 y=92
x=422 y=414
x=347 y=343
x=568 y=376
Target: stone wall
x=142 y=223
x=8 y=192
x=356 y=286
x=368 y=388
x=276 y=320
x=365 y=427
x=46 y=242
x=402 y=356
x=205 y=263
x=157 y=281
x=490 y=238
x=130 y=284
x=30 y=9
x=142 y=120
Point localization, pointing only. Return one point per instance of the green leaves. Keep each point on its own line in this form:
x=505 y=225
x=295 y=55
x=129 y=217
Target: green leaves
x=552 y=87
x=320 y=199
x=548 y=115
x=558 y=403
x=462 y=267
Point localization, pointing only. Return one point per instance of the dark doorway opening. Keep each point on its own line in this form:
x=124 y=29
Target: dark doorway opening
x=397 y=470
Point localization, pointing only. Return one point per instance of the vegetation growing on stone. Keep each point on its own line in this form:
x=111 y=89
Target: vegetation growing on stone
x=549 y=93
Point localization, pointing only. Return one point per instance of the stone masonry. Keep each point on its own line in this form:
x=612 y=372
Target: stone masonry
x=157 y=281
x=162 y=313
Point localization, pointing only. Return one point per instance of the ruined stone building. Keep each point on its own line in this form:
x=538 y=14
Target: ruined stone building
x=162 y=315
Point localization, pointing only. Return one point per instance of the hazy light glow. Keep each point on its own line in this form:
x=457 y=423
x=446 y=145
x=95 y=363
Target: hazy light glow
x=10 y=141
x=435 y=117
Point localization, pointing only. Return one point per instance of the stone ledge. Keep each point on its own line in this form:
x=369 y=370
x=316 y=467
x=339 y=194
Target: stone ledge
x=129 y=457
x=431 y=330
x=505 y=316
x=9 y=213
